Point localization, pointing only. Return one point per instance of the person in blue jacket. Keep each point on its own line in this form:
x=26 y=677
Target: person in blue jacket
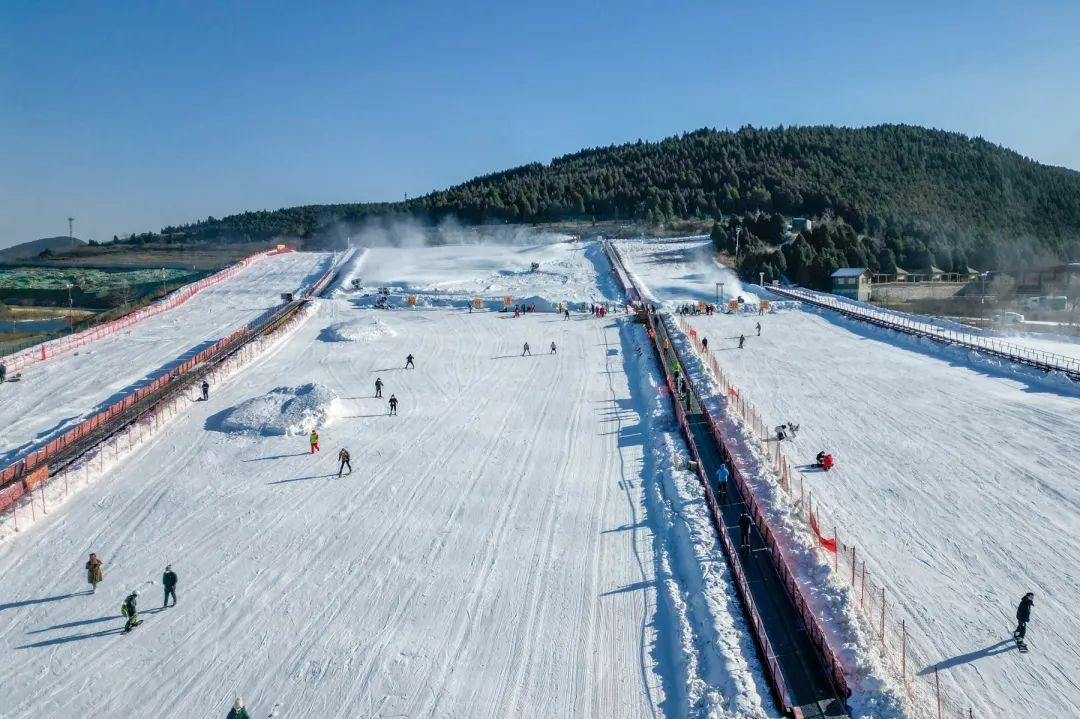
x=721 y=482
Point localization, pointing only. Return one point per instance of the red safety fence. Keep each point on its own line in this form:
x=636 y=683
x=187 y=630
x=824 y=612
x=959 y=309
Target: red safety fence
x=887 y=629
x=45 y=350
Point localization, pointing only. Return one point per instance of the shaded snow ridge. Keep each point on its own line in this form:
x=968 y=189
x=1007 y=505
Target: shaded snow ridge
x=284 y=411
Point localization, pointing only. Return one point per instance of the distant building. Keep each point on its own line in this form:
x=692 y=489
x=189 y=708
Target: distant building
x=852 y=282
x=798 y=224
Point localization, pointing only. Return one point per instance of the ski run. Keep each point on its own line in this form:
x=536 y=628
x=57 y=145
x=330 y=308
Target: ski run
x=523 y=538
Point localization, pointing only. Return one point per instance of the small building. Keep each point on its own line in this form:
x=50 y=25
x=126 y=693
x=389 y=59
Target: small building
x=935 y=274
x=798 y=224
x=972 y=274
x=852 y=282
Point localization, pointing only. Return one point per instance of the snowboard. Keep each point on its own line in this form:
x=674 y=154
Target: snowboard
x=133 y=626
x=1021 y=644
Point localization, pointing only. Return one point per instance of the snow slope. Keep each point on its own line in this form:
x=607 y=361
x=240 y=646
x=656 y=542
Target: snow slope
x=57 y=394
x=958 y=484
x=453 y=275
x=504 y=547
x=679 y=270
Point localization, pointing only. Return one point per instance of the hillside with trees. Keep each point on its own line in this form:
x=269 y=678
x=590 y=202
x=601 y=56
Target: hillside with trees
x=883 y=195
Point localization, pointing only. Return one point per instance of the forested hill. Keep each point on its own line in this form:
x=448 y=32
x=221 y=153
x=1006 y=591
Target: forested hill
x=949 y=193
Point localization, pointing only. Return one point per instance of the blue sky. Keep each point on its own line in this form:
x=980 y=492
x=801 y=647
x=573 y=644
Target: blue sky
x=134 y=115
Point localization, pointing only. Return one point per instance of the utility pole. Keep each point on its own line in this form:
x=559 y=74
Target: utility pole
x=71 y=231
x=761 y=279
x=71 y=323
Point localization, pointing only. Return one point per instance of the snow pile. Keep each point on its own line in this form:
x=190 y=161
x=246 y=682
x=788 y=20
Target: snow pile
x=284 y=411
x=357 y=331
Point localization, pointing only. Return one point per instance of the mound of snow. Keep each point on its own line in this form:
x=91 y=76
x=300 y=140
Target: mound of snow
x=284 y=411
x=357 y=331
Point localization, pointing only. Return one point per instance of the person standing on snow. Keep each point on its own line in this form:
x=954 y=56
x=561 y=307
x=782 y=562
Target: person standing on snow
x=526 y=350
x=378 y=387
x=553 y=348
x=168 y=580
x=238 y=711
x=742 y=341
x=343 y=458
x=205 y=390
x=705 y=343
x=409 y=362
x=1023 y=616
x=758 y=326
x=314 y=440
x=721 y=482
x=393 y=404
x=93 y=572
x=566 y=314
x=129 y=610
x=745 y=522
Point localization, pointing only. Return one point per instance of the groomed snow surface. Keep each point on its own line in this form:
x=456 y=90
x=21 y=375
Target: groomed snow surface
x=957 y=479
x=57 y=394
x=522 y=540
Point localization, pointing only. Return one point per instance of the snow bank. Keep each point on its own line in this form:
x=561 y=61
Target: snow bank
x=284 y=411
x=356 y=331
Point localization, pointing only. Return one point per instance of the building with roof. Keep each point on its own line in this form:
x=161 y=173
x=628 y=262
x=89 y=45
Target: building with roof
x=852 y=282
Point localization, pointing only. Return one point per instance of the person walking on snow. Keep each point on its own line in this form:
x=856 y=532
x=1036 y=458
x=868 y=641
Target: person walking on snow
x=343 y=458
x=526 y=350
x=205 y=390
x=553 y=348
x=238 y=711
x=168 y=580
x=566 y=314
x=93 y=572
x=393 y=404
x=742 y=341
x=314 y=440
x=378 y=387
x=129 y=610
x=745 y=522
x=409 y=362
x=758 y=326
x=721 y=482
x=1023 y=616
x=705 y=343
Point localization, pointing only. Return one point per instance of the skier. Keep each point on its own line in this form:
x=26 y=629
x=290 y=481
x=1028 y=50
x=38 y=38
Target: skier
x=393 y=407
x=3 y=370
x=745 y=522
x=205 y=390
x=758 y=326
x=343 y=458
x=566 y=315
x=130 y=611
x=378 y=387
x=553 y=348
x=742 y=341
x=721 y=482
x=409 y=362
x=168 y=580
x=526 y=350
x=314 y=440
x=1023 y=616
x=93 y=572
x=705 y=343
x=238 y=711
x=824 y=460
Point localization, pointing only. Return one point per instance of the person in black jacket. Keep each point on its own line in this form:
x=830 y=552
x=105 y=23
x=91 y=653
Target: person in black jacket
x=745 y=522
x=205 y=390
x=1023 y=615
x=378 y=387
x=168 y=580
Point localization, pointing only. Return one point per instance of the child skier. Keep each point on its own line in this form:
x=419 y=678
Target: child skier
x=314 y=440
x=130 y=611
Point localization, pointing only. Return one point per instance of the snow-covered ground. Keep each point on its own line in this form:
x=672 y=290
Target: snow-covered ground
x=958 y=485
x=681 y=270
x=453 y=275
x=519 y=541
x=54 y=395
